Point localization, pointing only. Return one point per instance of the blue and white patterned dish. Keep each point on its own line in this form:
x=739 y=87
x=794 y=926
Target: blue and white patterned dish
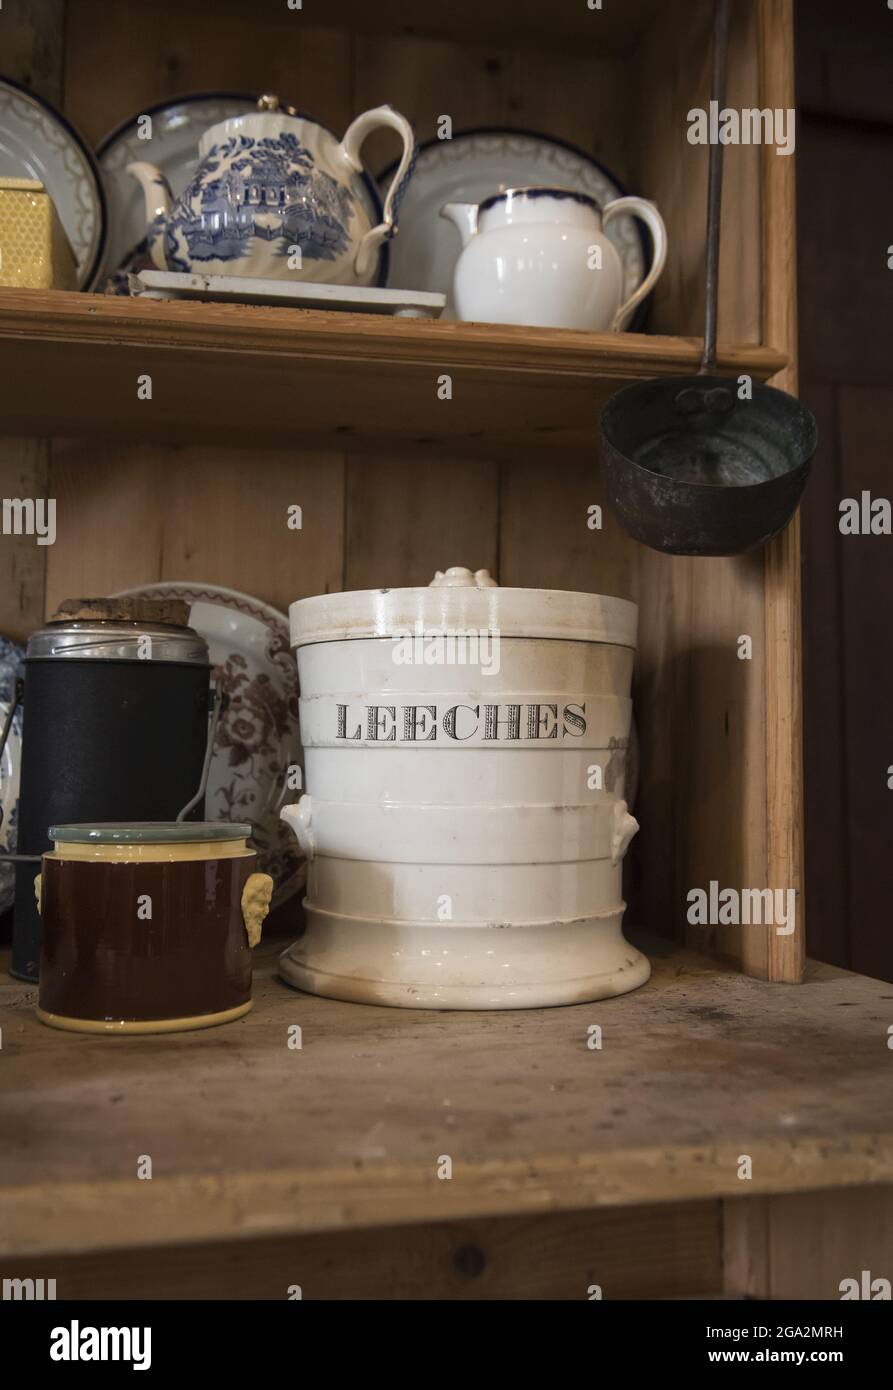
x=36 y=142
x=12 y=657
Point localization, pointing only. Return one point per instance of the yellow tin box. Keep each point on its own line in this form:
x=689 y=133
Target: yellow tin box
x=34 y=251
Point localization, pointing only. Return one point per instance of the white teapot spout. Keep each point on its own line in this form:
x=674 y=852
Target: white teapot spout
x=159 y=199
x=464 y=216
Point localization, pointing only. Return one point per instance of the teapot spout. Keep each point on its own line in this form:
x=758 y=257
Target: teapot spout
x=158 y=196
x=463 y=216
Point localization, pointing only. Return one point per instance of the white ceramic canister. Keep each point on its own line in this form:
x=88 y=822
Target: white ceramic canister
x=464 y=823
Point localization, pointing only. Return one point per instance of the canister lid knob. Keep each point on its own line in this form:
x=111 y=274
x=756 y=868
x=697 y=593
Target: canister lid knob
x=458 y=577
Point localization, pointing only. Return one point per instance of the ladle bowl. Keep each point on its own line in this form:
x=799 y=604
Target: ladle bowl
x=692 y=469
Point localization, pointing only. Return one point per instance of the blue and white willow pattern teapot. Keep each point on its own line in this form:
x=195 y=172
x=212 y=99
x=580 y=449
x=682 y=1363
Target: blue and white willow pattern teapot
x=269 y=185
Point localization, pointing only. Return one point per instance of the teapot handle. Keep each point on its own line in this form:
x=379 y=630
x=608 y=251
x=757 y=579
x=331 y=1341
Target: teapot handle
x=350 y=147
x=640 y=207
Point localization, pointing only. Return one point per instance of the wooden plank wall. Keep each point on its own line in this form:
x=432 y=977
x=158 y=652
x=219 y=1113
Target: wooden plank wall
x=375 y=520
x=702 y=711
x=333 y=75
x=802 y=1245
x=137 y=513
x=845 y=85
x=673 y=66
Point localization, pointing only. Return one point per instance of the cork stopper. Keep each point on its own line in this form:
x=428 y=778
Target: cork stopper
x=171 y=611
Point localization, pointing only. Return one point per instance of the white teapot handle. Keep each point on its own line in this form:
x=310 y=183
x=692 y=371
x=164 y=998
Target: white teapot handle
x=350 y=147
x=640 y=207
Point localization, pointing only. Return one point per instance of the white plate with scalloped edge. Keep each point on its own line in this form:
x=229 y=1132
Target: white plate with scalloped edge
x=36 y=142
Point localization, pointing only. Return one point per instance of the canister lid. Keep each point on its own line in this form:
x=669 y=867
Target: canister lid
x=123 y=608
x=149 y=832
x=119 y=629
x=458 y=598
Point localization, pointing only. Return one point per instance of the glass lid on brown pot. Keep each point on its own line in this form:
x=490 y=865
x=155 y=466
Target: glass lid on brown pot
x=149 y=832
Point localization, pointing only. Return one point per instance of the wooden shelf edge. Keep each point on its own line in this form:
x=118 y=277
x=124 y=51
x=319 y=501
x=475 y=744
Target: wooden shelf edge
x=38 y=316
x=75 y=1218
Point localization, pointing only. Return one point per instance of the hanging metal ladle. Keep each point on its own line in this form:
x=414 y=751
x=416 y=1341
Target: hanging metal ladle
x=691 y=468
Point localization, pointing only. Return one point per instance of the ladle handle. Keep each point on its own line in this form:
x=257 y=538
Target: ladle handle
x=714 y=186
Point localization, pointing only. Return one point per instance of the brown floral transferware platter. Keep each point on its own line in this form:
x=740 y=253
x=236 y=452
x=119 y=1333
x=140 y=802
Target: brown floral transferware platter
x=257 y=738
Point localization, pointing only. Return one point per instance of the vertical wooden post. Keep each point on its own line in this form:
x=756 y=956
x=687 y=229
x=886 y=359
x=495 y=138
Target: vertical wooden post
x=784 y=710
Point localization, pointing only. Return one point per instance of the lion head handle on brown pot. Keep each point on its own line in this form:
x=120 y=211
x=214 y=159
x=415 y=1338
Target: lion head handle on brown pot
x=256 y=897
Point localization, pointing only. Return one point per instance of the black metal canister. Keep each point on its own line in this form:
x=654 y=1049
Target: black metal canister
x=115 y=729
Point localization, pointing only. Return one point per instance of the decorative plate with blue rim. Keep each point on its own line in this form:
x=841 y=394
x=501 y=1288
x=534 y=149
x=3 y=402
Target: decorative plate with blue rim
x=12 y=658
x=36 y=142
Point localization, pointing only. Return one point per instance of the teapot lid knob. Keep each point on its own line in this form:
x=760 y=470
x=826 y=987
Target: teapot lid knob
x=268 y=102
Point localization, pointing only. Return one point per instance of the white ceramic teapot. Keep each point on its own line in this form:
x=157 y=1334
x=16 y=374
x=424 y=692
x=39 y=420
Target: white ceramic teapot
x=539 y=256
x=271 y=184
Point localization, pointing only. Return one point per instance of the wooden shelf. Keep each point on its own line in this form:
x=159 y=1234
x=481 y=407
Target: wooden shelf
x=249 y=1138
x=69 y=364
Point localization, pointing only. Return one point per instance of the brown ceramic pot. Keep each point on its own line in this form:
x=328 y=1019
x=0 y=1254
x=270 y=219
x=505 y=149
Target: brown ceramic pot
x=148 y=928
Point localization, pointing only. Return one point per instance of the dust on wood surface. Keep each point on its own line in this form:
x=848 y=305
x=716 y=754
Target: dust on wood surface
x=700 y=1066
